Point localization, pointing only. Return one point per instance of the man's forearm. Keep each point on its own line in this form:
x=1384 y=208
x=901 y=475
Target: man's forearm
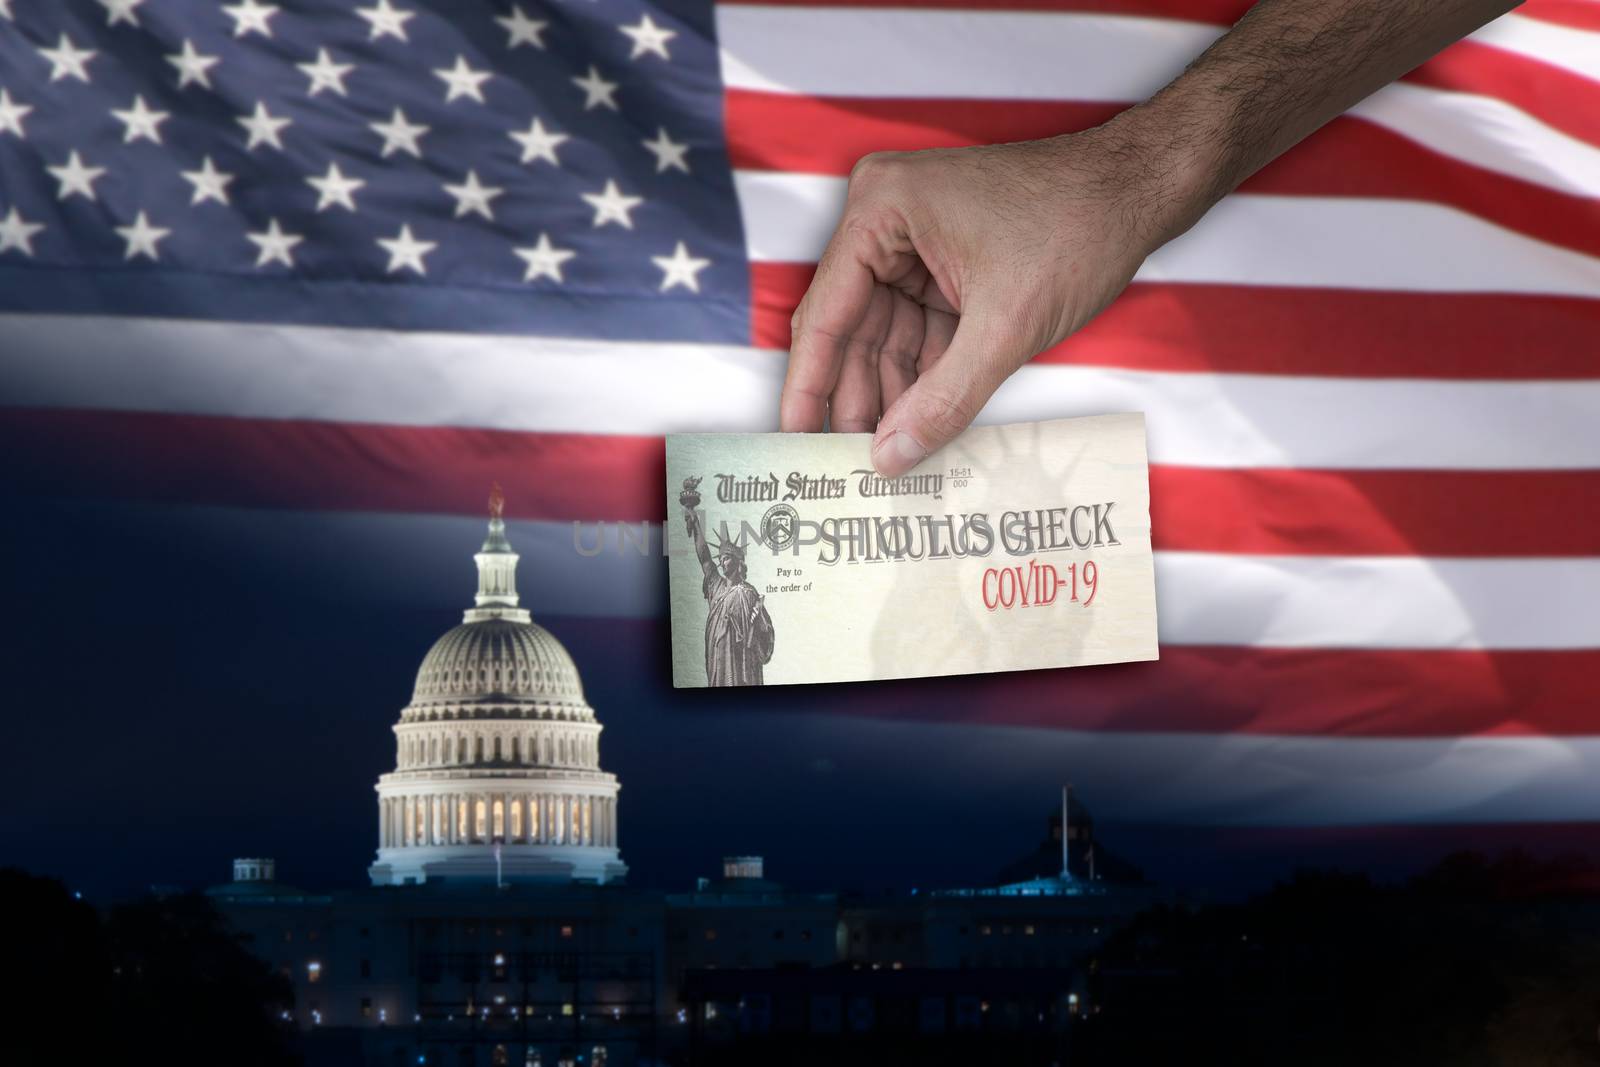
x=1286 y=68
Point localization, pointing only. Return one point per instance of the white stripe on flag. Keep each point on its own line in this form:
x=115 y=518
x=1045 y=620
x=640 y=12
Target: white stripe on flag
x=902 y=52
x=1378 y=602
x=556 y=385
x=1250 y=239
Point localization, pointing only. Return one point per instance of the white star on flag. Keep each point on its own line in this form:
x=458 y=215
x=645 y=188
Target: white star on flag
x=141 y=122
x=473 y=197
x=12 y=114
x=669 y=153
x=522 y=29
x=386 y=20
x=263 y=127
x=17 y=232
x=539 y=143
x=67 y=60
x=611 y=206
x=142 y=238
x=192 y=66
x=463 y=80
x=326 y=74
x=544 y=260
x=399 y=135
x=597 y=91
x=76 y=178
x=648 y=37
x=121 y=11
x=250 y=17
x=334 y=188
x=406 y=252
x=680 y=268
x=276 y=246
x=209 y=183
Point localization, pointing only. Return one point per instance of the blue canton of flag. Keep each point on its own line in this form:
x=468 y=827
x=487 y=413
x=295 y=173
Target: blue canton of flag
x=539 y=168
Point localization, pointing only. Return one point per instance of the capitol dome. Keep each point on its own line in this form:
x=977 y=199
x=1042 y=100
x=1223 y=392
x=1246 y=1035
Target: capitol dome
x=498 y=660
x=497 y=770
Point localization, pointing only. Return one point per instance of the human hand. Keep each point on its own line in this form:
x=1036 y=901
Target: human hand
x=951 y=268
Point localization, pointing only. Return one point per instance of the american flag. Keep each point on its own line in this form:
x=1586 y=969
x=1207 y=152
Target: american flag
x=323 y=257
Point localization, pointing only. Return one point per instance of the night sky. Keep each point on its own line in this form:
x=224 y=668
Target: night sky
x=188 y=684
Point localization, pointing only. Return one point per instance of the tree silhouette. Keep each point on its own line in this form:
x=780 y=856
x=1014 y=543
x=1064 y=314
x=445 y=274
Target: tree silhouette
x=158 y=980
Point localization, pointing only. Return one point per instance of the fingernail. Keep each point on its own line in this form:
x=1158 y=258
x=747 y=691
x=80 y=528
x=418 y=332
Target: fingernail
x=897 y=453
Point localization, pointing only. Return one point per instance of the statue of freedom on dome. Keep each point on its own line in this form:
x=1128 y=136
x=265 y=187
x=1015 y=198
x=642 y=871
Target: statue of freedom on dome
x=739 y=631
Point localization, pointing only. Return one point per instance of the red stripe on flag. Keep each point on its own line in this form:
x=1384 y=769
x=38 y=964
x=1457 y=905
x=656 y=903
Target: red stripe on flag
x=1348 y=157
x=550 y=476
x=1577 y=14
x=1161 y=326
x=304 y=464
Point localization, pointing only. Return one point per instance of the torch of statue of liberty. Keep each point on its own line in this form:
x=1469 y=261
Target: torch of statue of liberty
x=738 y=629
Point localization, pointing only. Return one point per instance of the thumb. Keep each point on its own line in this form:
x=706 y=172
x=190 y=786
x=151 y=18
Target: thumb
x=945 y=400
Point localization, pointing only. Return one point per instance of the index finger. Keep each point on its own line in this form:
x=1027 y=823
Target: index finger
x=828 y=315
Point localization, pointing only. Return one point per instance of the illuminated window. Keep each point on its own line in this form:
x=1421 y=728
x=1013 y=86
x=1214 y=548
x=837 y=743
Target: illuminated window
x=461 y=820
x=482 y=819
x=1028 y=929
x=533 y=819
x=566 y=931
x=985 y=930
x=314 y=971
x=420 y=814
x=516 y=819
x=577 y=828
x=566 y=1009
x=499 y=814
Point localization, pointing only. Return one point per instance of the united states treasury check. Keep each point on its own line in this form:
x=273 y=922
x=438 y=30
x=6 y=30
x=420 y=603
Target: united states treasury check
x=1015 y=547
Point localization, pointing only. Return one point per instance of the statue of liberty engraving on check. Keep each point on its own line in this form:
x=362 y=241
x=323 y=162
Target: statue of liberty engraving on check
x=739 y=635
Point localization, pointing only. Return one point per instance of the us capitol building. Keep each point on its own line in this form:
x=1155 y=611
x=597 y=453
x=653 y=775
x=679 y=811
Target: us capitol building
x=498 y=773
x=498 y=928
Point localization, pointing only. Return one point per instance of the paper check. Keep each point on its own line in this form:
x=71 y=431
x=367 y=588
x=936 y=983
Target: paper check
x=1012 y=548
